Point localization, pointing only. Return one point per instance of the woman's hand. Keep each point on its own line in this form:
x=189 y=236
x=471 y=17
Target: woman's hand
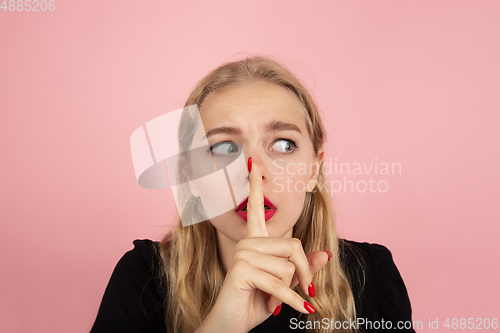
x=262 y=274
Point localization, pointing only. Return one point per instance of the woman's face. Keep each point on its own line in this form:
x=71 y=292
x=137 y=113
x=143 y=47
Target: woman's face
x=283 y=152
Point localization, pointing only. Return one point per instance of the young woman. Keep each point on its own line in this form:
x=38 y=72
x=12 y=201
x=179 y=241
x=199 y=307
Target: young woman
x=273 y=264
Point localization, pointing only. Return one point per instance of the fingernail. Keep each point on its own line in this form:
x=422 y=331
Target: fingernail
x=330 y=255
x=249 y=165
x=277 y=310
x=312 y=291
x=309 y=307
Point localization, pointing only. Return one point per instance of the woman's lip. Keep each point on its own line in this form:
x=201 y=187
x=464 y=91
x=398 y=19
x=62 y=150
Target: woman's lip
x=268 y=214
x=243 y=204
x=267 y=202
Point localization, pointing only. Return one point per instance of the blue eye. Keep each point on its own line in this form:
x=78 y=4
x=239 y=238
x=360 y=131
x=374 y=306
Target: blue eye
x=284 y=145
x=224 y=148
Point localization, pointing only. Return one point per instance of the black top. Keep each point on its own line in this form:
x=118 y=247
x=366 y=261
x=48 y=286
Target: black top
x=132 y=302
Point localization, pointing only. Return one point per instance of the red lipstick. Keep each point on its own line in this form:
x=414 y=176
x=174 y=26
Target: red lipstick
x=268 y=213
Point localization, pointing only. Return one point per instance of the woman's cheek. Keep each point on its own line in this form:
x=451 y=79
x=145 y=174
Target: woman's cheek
x=289 y=176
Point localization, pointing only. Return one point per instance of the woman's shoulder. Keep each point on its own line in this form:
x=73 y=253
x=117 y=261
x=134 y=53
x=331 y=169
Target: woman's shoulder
x=373 y=261
x=142 y=259
x=132 y=300
x=378 y=287
x=371 y=258
x=369 y=250
x=143 y=249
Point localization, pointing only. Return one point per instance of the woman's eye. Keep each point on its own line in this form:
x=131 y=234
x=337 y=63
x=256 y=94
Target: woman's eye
x=224 y=148
x=284 y=146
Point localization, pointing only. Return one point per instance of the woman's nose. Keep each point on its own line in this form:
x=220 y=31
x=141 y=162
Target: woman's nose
x=258 y=160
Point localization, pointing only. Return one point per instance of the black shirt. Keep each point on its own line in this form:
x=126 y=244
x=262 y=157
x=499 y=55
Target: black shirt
x=132 y=302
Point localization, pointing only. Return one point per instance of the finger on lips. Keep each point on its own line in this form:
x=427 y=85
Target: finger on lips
x=274 y=276
x=256 y=223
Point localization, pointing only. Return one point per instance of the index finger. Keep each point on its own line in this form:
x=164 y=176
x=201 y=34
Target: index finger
x=256 y=223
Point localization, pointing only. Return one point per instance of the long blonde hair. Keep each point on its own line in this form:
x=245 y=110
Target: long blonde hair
x=191 y=269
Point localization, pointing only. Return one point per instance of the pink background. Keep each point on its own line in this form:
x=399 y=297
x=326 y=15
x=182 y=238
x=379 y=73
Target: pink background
x=409 y=82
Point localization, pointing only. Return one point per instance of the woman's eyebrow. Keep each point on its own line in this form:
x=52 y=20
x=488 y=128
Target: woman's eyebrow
x=275 y=125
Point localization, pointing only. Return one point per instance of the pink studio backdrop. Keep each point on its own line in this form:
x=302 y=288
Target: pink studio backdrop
x=408 y=82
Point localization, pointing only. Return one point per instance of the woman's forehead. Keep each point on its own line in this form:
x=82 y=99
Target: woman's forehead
x=257 y=100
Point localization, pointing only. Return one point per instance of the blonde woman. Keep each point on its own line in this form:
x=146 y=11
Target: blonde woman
x=273 y=264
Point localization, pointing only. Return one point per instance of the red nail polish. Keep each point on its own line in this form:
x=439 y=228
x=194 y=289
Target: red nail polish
x=249 y=165
x=312 y=291
x=309 y=307
x=277 y=310
x=330 y=255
